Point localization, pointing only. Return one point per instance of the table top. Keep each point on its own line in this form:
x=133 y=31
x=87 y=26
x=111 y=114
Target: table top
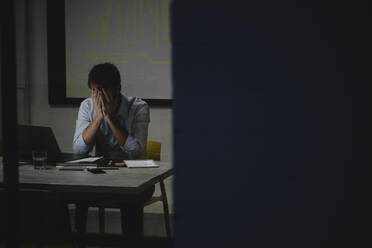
x=121 y=181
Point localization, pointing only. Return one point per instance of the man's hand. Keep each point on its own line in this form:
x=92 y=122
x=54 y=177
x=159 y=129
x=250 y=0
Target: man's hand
x=97 y=103
x=90 y=132
x=109 y=107
x=108 y=104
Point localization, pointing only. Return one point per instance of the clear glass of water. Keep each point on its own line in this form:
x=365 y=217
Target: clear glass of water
x=39 y=159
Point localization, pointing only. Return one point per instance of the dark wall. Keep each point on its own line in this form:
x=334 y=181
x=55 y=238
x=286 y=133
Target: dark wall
x=1 y=117
x=271 y=123
x=9 y=121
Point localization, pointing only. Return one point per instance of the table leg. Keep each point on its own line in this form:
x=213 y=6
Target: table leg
x=166 y=209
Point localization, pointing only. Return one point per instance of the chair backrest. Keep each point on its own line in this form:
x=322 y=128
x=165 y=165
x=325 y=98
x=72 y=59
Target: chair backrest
x=153 y=150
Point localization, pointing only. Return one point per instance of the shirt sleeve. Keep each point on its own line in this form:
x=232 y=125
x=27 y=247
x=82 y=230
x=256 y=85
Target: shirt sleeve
x=78 y=145
x=136 y=142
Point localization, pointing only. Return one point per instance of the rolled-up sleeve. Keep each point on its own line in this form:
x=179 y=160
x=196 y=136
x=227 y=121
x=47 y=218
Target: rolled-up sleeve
x=135 y=145
x=84 y=119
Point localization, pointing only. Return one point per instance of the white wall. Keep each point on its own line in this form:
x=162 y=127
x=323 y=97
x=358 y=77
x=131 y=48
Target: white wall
x=62 y=119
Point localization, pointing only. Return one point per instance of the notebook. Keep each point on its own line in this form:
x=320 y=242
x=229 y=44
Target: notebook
x=140 y=163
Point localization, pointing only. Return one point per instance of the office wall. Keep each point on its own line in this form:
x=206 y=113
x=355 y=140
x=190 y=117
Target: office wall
x=23 y=113
x=284 y=129
x=62 y=119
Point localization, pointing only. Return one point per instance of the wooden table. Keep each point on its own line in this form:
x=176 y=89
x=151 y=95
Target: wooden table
x=114 y=184
x=118 y=186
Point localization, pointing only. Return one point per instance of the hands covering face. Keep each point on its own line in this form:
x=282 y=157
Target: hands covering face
x=104 y=102
x=108 y=103
x=97 y=102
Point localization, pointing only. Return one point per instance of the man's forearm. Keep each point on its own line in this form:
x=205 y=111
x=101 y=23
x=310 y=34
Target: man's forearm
x=118 y=131
x=90 y=133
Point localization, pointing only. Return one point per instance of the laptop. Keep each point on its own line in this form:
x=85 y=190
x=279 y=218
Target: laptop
x=38 y=138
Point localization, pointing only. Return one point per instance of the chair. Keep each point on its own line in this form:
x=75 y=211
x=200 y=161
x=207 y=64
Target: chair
x=153 y=152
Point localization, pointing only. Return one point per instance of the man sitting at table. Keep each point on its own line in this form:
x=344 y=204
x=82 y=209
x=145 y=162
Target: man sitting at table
x=117 y=125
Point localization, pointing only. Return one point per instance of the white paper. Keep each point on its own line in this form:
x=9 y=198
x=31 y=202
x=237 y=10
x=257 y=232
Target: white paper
x=140 y=163
x=84 y=160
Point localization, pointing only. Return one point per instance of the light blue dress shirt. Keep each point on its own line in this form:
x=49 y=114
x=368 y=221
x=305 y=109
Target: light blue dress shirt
x=133 y=114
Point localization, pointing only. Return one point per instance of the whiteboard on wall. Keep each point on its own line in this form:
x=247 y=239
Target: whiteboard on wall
x=134 y=35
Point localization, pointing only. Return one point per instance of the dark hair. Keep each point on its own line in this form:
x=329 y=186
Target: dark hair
x=104 y=75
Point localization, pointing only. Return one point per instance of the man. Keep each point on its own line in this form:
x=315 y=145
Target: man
x=117 y=125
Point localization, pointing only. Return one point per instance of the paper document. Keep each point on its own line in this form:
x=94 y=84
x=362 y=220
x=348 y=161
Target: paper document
x=84 y=160
x=140 y=163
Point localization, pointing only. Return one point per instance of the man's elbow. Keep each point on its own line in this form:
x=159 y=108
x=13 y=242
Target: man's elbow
x=138 y=153
x=75 y=149
x=78 y=149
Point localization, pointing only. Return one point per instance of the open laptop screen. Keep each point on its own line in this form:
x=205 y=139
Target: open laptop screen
x=36 y=138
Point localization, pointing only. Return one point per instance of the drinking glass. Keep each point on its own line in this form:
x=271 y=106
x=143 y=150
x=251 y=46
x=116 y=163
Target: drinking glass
x=39 y=159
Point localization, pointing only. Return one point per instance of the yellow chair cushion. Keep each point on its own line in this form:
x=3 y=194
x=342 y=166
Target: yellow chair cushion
x=153 y=150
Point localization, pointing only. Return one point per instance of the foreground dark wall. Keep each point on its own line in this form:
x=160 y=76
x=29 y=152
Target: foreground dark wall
x=271 y=123
x=9 y=121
